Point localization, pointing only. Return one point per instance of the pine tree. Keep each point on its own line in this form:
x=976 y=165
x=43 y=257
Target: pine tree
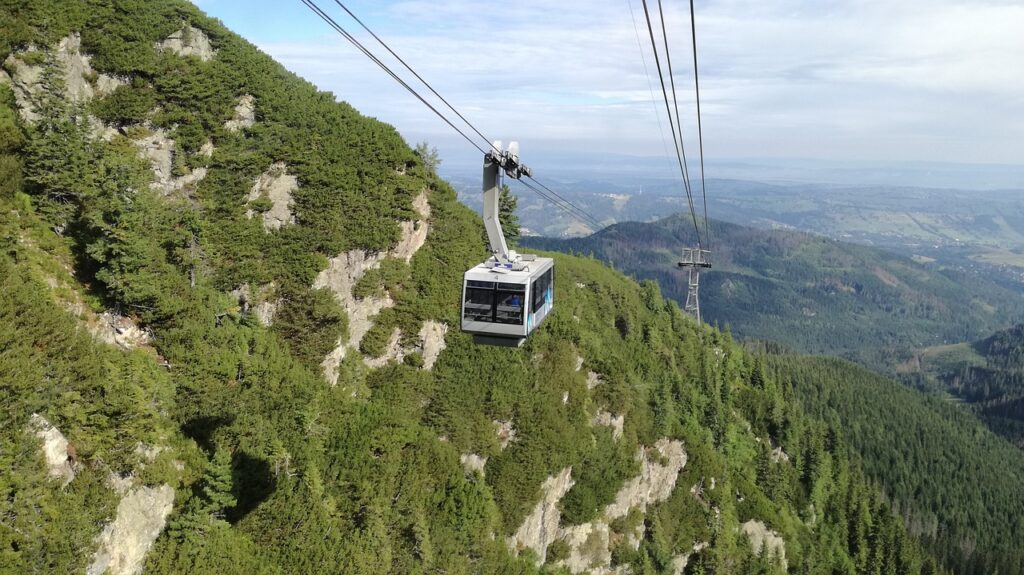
x=208 y=504
x=507 y=203
x=428 y=155
x=217 y=484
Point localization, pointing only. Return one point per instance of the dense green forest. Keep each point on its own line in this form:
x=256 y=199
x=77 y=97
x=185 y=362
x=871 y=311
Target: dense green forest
x=987 y=375
x=811 y=293
x=217 y=439
x=955 y=483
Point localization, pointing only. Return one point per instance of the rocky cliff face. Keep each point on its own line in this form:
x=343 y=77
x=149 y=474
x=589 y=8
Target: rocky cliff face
x=344 y=272
x=189 y=41
x=765 y=540
x=59 y=462
x=589 y=544
x=540 y=527
x=75 y=80
x=275 y=185
x=123 y=543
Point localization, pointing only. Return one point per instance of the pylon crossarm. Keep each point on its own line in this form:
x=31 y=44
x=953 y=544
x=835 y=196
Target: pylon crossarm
x=693 y=260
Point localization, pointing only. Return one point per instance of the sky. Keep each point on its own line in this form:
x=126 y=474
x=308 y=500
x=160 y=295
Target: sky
x=854 y=80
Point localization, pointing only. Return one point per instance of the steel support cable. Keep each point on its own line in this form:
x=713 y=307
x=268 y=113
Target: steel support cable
x=579 y=212
x=546 y=197
x=413 y=72
x=330 y=22
x=700 y=134
x=679 y=126
x=551 y=199
x=675 y=104
x=647 y=75
x=583 y=213
x=557 y=200
x=664 y=92
x=565 y=204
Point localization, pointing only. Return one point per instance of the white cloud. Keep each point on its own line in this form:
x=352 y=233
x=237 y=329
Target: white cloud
x=862 y=79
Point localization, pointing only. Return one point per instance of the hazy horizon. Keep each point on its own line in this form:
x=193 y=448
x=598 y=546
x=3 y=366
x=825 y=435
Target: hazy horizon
x=864 y=81
x=623 y=168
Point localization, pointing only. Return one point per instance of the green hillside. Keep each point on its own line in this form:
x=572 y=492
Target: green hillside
x=229 y=344
x=987 y=375
x=939 y=463
x=811 y=293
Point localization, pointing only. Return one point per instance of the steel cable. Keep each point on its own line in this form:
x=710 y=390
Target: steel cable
x=556 y=199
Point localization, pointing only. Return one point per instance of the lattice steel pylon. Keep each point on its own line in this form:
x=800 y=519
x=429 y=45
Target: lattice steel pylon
x=693 y=260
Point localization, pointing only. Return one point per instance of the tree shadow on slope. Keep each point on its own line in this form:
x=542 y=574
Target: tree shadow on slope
x=253 y=483
x=252 y=479
x=201 y=430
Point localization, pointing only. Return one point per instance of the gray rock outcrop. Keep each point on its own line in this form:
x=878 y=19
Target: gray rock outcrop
x=655 y=482
x=341 y=275
x=78 y=72
x=616 y=422
x=589 y=548
x=26 y=82
x=123 y=543
x=262 y=303
x=55 y=449
x=432 y=335
x=158 y=149
x=245 y=114
x=540 y=528
x=763 y=538
x=189 y=41
x=414 y=234
x=344 y=272
x=116 y=329
x=277 y=185
x=679 y=562
x=79 y=82
x=590 y=543
x=393 y=351
x=505 y=431
x=473 y=463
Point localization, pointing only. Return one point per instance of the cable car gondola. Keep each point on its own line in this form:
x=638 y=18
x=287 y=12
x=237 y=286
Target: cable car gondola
x=508 y=296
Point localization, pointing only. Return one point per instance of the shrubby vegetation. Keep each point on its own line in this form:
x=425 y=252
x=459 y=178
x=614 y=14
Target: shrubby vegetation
x=275 y=471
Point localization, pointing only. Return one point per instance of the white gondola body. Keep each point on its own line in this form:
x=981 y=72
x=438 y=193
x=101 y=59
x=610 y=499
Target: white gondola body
x=502 y=306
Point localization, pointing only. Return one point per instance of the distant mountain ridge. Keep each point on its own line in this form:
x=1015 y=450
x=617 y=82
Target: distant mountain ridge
x=976 y=231
x=814 y=294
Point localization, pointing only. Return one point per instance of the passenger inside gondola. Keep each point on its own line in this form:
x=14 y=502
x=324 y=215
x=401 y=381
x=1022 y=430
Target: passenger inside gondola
x=510 y=309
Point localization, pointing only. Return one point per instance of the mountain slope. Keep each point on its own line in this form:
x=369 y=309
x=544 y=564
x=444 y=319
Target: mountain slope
x=987 y=375
x=226 y=349
x=808 y=292
x=927 y=450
